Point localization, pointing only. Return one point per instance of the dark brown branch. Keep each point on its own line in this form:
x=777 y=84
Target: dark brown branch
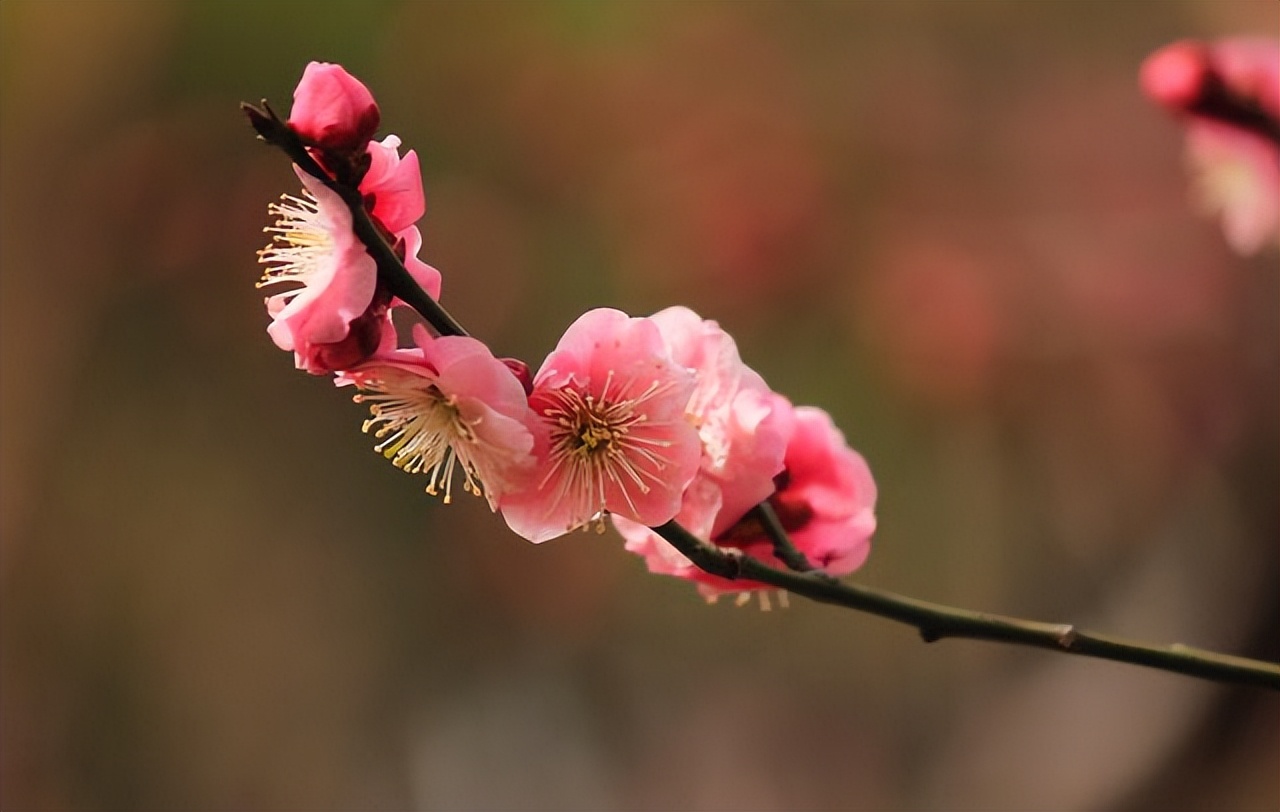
x=935 y=621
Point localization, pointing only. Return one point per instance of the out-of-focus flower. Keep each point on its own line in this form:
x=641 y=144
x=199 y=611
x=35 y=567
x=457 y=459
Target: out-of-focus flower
x=443 y=405
x=314 y=247
x=1229 y=92
x=825 y=500
x=611 y=434
x=1237 y=177
x=332 y=109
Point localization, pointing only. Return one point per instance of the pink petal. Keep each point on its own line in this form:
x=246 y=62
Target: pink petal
x=333 y=109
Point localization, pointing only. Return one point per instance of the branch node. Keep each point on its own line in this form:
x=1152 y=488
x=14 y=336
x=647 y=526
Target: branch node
x=1067 y=636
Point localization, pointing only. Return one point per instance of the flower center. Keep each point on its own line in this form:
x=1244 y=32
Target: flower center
x=422 y=431
x=601 y=441
x=300 y=243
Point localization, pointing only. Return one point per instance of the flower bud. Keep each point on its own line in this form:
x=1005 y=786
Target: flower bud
x=333 y=109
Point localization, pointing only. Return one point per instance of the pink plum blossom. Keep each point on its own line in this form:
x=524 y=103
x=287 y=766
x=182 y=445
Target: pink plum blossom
x=825 y=499
x=314 y=246
x=447 y=404
x=610 y=435
x=1229 y=93
x=743 y=426
x=332 y=109
x=392 y=186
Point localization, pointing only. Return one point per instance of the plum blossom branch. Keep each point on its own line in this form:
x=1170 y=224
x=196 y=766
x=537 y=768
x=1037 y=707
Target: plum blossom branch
x=936 y=622
x=1216 y=100
x=933 y=621
x=783 y=547
x=391 y=269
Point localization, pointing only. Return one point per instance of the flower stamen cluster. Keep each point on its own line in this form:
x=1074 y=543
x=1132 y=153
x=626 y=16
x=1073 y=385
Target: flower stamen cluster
x=300 y=244
x=424 y=431
x=599 y=441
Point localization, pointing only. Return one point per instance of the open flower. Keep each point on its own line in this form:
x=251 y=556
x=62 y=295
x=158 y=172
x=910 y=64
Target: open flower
x=825 y=500
x=1229 y=94
x=743 y=426
x=447 y=406
x=332 y=109
x=610 y=434
x=314 y=248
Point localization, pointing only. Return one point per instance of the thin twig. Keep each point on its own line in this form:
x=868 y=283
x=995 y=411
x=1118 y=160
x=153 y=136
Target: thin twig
x=935 y=621
x=783 y=547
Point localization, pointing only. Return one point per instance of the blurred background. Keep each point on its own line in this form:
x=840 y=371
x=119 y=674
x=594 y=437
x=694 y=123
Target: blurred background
x=956 y=226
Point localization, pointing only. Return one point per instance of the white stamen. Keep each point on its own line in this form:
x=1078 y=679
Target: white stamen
x=300 y=243
x=422 y=431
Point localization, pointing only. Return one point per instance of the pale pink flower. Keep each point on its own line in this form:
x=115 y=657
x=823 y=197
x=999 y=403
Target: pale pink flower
x=1229 y=93
x=1236 y=176
x=447 y=405
x=332 y=109
x=314 y=247
x=743 y=426
x=610 y=435
x=825 y=499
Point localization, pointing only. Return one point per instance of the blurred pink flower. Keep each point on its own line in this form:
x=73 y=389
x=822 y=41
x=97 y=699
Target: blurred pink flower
x=446 y=404
x=313 y=245
x=1229 y=91
x=611 y=434
x=333 y=109
x=825 y=500
x=1236 y=176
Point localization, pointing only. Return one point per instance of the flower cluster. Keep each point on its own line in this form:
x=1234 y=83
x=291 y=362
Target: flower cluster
x=1228 y=92
x=637 y=420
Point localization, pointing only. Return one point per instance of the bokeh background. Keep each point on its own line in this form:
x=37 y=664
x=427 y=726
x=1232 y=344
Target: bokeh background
x=955 y=225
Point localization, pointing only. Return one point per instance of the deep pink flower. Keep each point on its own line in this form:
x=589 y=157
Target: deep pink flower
x=333 y=109
x=392 y=191
x=1229 y=93
x=825 y=500
x=1204 y=78
x=392 y=186
x=314 y=247
x=610 y=435
x=447 y=404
